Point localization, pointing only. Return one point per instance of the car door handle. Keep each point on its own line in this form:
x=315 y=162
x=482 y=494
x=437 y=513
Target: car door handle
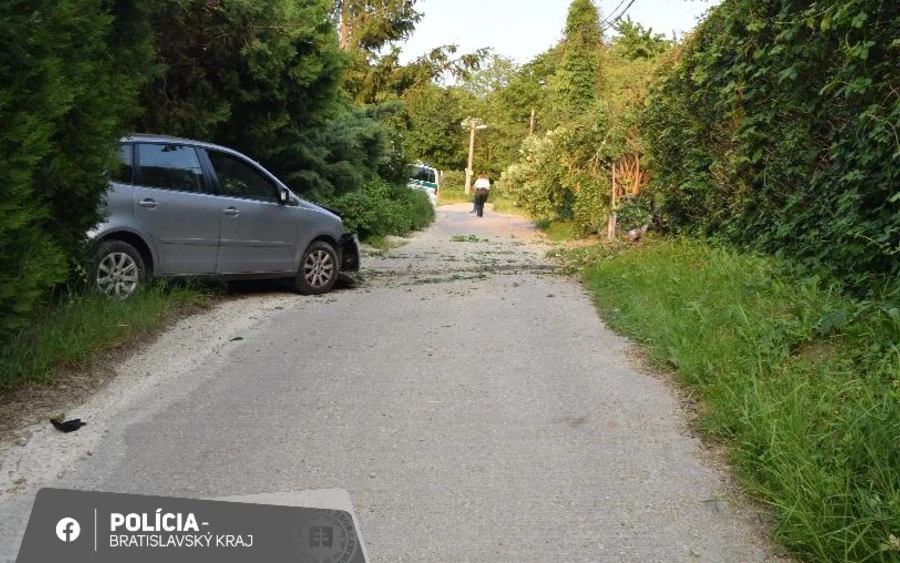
x=231 y=211
x=148 y=203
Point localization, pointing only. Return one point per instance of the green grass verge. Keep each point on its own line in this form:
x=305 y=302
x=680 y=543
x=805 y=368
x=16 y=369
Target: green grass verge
x=559 y=231
x=74 y=331
x=503 y=204
x=500 y=203
x=802 y=383
x=447 y=196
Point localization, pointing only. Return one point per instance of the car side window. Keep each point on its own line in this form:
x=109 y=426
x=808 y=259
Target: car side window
x=239 y=179
x=170 y=166
x=123 y=170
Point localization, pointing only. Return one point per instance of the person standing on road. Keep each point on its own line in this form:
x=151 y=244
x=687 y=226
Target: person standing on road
x=482 y=188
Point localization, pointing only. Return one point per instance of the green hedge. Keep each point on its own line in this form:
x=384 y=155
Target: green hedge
x=777 y=128
x=381 y=209
x=65 y=94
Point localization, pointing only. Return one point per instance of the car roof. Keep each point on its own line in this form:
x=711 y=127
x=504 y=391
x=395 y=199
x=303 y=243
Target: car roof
x=153 y=138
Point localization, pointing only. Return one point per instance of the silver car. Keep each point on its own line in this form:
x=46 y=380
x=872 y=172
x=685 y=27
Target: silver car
x=178 y=207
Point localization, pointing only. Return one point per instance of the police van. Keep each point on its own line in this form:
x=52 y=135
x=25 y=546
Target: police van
x=425 y=178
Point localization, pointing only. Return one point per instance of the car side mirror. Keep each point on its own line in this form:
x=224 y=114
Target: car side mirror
x=284 y=196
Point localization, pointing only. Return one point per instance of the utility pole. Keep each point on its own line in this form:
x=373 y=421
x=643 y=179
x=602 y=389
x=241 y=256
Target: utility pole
x=469 y=171
x=531 y=126
x=611 y=228
x=474 y=124
x=345 y=25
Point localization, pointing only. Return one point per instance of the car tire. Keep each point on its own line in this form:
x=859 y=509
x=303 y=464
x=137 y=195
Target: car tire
x=319 y=269
x=117 y=269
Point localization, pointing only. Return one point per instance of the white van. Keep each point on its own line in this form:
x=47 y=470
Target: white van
x=425 y=178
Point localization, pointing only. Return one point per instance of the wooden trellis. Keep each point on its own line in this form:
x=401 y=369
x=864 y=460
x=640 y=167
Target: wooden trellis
x=628 y=179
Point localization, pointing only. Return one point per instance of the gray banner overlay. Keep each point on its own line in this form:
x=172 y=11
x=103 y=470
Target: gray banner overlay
x=82 y=527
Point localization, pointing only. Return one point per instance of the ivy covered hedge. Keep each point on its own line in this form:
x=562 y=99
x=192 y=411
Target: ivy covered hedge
x=778 y=127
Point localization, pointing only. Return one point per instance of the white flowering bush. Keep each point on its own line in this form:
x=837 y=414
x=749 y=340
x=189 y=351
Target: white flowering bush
x=561 y=176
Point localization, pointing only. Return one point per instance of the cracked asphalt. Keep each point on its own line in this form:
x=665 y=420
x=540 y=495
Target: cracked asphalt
x=465 y=394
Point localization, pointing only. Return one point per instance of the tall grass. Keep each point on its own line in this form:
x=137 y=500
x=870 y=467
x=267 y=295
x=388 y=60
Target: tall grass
x=801 y=382
x=559 y=231
x=75 y=330
x=502 y=203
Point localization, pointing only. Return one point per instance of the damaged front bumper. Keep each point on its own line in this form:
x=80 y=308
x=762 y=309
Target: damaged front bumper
x=349 y=253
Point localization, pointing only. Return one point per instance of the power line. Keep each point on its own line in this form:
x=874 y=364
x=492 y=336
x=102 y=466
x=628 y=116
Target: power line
x=604 y=22
x=619 y=17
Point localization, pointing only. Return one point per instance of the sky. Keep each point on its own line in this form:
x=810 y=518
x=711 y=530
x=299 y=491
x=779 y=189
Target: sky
x=522 y=29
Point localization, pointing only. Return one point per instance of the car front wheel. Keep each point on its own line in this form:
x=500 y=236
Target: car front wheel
x=319 y=269
x=117 y=269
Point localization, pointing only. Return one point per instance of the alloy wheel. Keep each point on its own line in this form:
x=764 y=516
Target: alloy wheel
x=118 y=275
x=318 y=269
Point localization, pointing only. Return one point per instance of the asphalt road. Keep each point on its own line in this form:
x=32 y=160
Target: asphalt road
x=468 y=398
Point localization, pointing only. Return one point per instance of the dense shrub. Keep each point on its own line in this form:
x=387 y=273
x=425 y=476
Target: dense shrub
x=453 y=180
x=777 y=129
x=66 y=93
x=597 y=92
x=381 y=209
x=535 y=182
x=561 y=175
x=342 y=155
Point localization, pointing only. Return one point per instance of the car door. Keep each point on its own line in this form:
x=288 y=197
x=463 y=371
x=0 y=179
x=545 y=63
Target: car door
x=257 y=232
x=174 y=201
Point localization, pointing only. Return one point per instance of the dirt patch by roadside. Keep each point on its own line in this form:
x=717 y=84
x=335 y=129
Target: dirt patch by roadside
x=72 y=385
x=34 y=452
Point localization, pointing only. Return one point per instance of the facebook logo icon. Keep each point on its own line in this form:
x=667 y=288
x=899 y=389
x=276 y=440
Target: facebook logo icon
x=68 y=530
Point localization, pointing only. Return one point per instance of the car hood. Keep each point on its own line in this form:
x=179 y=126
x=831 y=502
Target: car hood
x=319 y=209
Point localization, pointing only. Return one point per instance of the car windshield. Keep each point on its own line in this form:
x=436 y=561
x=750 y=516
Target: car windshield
x=423 y=174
